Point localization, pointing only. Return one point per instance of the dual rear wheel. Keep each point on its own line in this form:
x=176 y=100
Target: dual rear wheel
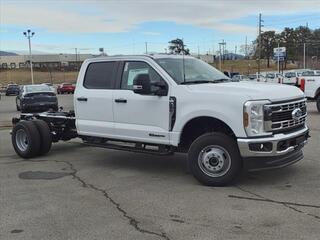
x=31 y=138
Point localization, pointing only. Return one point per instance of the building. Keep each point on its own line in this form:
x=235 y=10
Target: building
x=44 y=61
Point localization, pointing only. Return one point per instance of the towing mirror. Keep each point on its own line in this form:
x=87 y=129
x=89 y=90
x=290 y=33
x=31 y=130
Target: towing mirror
x=142 y=84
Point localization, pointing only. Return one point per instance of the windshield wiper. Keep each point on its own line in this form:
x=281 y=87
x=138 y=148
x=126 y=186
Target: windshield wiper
x=196 y=82
x=207 y=81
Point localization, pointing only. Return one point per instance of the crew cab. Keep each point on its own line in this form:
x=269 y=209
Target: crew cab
x=65 y=88
x=162 y=104
x=310 y=84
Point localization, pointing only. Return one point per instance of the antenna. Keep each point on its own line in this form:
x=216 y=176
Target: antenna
x=184 y=75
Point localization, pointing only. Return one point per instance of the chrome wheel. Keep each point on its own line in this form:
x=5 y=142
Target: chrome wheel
x=22 y=140
x=214 y=161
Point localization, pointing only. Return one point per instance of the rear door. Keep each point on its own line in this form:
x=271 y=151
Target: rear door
x=93 y=99
x=137 y=117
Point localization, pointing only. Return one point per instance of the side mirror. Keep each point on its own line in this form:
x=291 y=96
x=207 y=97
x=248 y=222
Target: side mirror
x=142 y=84
x=162 y=89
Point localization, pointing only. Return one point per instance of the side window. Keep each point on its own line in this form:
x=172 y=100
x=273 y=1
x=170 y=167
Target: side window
x=132 y=69
x=99 y=75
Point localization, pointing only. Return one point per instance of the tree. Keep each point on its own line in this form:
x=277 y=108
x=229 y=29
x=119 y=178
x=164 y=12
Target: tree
x=248 y=50
x=176 y=46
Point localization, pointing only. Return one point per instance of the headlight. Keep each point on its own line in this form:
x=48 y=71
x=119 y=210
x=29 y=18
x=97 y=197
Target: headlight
x=253 y=118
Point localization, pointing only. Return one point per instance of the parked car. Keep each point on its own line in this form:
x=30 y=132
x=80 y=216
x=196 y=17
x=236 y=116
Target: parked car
x=291 y=78
x=273 y=77
x=36 y=98
x=162 y=104
x=65 y=88
x=239 y=78
x=12 y=89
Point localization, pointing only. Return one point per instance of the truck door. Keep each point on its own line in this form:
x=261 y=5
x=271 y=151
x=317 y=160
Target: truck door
x=93 y=100
x=137 y=117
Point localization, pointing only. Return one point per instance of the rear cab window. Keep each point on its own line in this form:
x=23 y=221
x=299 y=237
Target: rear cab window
x=100 y=75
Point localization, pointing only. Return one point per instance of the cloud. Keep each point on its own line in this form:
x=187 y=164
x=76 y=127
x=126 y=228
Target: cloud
x=125 y=15
x=151 y=33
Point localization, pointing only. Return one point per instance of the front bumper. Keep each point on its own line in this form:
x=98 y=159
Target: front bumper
x=276 y=145
x=282 y=150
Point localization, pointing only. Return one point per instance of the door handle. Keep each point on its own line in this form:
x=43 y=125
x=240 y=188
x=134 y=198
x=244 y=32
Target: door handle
x=120 y=100
x=82 y=99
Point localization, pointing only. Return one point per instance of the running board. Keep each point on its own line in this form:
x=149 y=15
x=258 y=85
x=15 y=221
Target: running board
x=162 y=150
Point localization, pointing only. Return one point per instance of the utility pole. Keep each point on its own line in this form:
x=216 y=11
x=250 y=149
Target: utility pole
x=198 y=52
x=220 y=56
x=246 y=48
x=146 y=47
x=304 y=55
x=278 y=57
x=223 y=43
x=28 y=34
x=259 y=48
x=235 y=52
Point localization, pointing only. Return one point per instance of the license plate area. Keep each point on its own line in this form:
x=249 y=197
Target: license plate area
x=292 y=142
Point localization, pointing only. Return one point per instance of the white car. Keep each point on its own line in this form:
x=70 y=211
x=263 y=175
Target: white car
x=162 y=104
x=291 y=78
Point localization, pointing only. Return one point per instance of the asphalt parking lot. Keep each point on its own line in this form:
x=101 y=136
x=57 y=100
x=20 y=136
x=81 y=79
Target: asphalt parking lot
x=80 y=192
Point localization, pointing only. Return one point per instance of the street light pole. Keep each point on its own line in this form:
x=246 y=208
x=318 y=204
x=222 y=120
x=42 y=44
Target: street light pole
x=278 y=57
x=29 y=35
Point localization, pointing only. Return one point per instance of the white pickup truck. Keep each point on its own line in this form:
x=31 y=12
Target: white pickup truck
x=162 y=104
x=310 y=84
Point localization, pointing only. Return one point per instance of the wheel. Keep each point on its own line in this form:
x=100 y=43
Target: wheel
x=45 y=136
x=318 y=103
x=214 y=159
x=26 y=139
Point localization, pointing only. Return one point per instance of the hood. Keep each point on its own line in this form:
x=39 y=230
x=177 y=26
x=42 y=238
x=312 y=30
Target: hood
x=254 y=91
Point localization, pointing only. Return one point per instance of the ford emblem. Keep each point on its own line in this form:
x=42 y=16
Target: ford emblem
x=296 y=114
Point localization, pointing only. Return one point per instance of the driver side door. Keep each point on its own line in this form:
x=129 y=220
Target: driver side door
x=141 y=118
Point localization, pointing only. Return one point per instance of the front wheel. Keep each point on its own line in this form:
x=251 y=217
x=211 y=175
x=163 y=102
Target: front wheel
x=214 y=159
x=318 y=103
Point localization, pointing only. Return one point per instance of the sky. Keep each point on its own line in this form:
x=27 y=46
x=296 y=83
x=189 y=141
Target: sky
x=124 y=26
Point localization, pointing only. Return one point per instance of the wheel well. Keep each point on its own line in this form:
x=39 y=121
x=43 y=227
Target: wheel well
x=200 y=125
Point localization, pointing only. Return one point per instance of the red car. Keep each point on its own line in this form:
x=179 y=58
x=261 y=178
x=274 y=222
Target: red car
x=66 y=88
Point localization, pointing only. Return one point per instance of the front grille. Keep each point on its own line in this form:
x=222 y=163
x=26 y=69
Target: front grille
x=280 y=116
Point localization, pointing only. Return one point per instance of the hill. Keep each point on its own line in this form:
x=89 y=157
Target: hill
x=3 y=53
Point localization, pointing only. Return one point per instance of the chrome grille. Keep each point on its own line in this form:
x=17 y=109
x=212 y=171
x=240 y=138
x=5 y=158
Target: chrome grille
x=279 y=117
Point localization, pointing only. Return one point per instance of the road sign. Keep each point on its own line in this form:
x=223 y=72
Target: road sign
x=279 y=52
x=281 y=59
x=279 y=49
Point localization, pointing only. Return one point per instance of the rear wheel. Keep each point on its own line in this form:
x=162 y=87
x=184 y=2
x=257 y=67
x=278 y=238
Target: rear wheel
x=318 y=103
x=214 y=159
x=45 y=136
x=26 y=139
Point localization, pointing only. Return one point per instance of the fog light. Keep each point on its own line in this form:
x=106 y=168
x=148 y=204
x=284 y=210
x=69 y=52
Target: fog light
x=261 y=147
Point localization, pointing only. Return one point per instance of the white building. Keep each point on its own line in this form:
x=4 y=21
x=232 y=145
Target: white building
x=43 y=61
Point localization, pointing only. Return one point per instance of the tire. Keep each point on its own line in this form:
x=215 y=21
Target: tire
x=214 y=159
x=26 y=139
x=45 y=136
x=318 y=103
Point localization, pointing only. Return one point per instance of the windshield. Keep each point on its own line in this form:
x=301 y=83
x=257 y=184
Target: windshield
x=38 y=88
x=194 y=70
x=290 y=74
x=13 y=86
x=270 y=75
